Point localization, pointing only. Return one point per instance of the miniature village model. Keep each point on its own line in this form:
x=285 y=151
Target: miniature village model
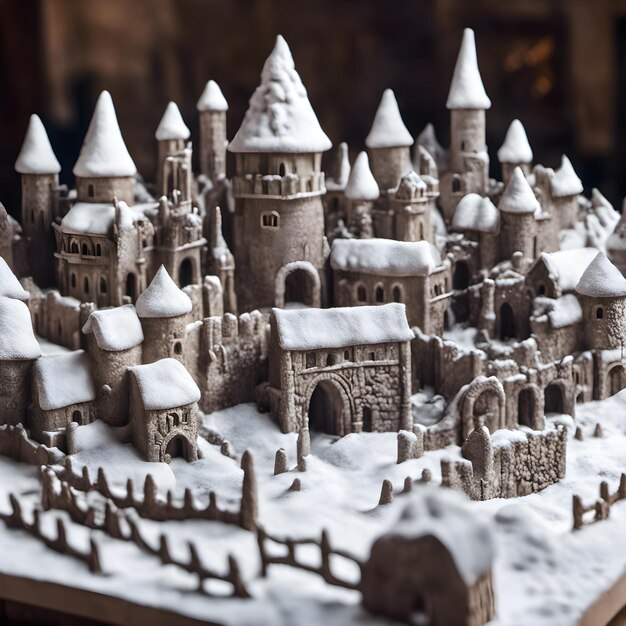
x=398 y=378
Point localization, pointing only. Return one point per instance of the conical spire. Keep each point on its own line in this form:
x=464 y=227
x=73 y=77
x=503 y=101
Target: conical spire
x=602 y=279
x=565 y=181
x=361 y=184
x=104 y=152
x=337 y=178
x=280 y=117
x=388 y=129
x=212 y=98
x=172 y=125
x=163 y=298
x=515 y=148
x=36 y=155
x=467 y=90
x=518 y=197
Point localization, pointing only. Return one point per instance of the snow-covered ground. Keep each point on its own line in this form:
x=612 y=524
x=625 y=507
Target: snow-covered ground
x=545 y=574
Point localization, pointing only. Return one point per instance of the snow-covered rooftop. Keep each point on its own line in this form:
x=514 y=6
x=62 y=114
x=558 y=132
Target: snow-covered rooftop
x=476 y=213
x=172 y=125
x=104 y=152
x=97 y=218
x=17 y=339
x=280 y=117
x=314 y=329
x=560 y=312
x=212 y=98
x=602 y=279
x=165 y=384
x=565 y=181
x=388 y=129
x=444 y=514
x=163 y=298
x=467 y=90
x=409 y=183
x=36 y=155
x=115 y=329
x=384 y=257
x=64 y=379
x=361 y=183
x=515 y=148
x=518 y=197
x=567 y=266
x=9 y=284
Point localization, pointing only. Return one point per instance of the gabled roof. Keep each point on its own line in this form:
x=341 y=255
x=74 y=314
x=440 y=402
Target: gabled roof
x=36 y=155
x=17 y=339
x=361 y=183
x=104 y=152
x=467 y=90
x=163 y=298
x=172 y=125
x=476 y=213
x=602 y=280
x=568 y=266
x=515 y=148
x=518 y=197
x=280 y=117
x=212 y=98
x=388 y=129
x=115 y=329
x=316 y=329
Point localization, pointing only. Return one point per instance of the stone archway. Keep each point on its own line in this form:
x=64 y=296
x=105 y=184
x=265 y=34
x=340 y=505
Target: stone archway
x=528 y=407
x=616 y=379
x=329 y=407
x=484 y=398
x=553 y=401
x=177 y=445
x=461 y=276
x=185 y=273
x=507 y=322
x=298 y=282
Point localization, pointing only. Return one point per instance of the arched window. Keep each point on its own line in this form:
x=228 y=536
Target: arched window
x=541 y=290
x=361 y=294
x=98 y=250
x=380 y=293
x=178 y=348
x=85 y=249
x=86 y=284
x=372 y=356
x=270 y=220
x=456 y=184
x=311 y=359
x=346 y=355
x=397 y=293
x=330 y=360
x=74 y=248
x=103 y=284
x=91 y=191
x=73 y=280
x=437 y=290
x=282 y=170
x=599 y=313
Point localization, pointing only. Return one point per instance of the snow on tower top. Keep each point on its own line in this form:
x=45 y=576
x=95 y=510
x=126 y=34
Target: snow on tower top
x=172 y=125
x=9 y=285
x=388 y=129
x=515 y=148
x=565 y=182
x=163 y=298
x=212 y=98
x=602 y=279
x=280 y=117
x=361 y=183
x=17 y=339
x=337 y=179
x=104 y=152
x=115 y=329
x=36 y=155
x=467 y=90
x=518 y=197
x=476 y=213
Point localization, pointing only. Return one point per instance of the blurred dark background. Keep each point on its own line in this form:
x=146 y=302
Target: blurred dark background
x=558 y=65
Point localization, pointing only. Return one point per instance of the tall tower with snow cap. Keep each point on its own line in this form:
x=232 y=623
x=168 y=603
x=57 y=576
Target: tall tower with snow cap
x=171 y=135
x=279 y=242
x=212 y=107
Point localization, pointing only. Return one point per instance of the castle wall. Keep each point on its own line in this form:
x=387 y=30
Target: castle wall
x=213 y=144
x=105 y=189
x=389 y=165
x=604 y=321
x=48 y=427
x=164 y=337
x=15 y=391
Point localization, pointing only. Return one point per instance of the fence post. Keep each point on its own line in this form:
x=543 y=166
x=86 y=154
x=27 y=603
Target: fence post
x=577 y=510
x=260 y=539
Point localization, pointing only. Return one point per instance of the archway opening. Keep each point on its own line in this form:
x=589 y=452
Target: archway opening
x=77 y=417
x=299 y=288
x=553 y=399
x=617 y=379
x=177 y=447
x=507 y=322
x=460 y=279
x=526 y=407
x=185 y=273
x=487 y=405
x=131 y=286
x=326 y=409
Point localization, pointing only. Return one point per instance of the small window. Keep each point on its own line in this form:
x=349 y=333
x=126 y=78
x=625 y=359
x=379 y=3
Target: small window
x=346 y=355
x=74 y=249
x=361 y=295
x=372 y=356
x=311 y=360
x=185 y=417
x=330 y=360
x=86 y=284
x=599 y=313
x=282 y=170
x=91 y=191
x=541 y=290
x=98 y=250
x=270 y=220
x=85 y=250
x=463 y=146
x=456 y=184
x=397 y=293
x=73 y=280
x=437 y=290
x=380 y=293
x=103 y=285
x=178 y=348
x=367 y=419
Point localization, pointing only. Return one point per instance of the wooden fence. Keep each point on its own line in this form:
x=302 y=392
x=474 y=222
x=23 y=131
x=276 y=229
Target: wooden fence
x=601 y=507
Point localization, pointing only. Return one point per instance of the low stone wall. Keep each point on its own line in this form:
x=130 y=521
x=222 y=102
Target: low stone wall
x=15 y=444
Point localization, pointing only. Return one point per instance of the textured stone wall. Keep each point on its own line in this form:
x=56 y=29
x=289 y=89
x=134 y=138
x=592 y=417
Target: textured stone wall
x=609 y=330
x=15 y=391
x=389 y=165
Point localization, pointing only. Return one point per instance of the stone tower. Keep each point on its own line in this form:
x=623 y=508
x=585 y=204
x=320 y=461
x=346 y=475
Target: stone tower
x=602 y=294
x=389 y=144
x=105 y=169
x=515 y=151
x=222 y=262
x=39 y=170
x=361 y=191
x=467 y=102
x=171 y=135
x=212 y=107
x=280 y=248
x=411 y=210
x=162 y=309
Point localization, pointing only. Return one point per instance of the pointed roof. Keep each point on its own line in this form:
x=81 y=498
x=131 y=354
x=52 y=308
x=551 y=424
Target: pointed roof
x=467 y=90
x=602 y=279
x=427 y=140
x=212 y=98
x=163 y=298
x=361 y=184
x=337 y=178
x=36 y=155
x=515 y=148
x=476 y=213
x=518 y=197
x=388 y=129
x=280 y=117
x=9 y=284
x=104 y=152
x=565 y=182
x=172 y=125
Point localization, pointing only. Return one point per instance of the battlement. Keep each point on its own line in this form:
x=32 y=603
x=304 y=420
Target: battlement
x=276 y=186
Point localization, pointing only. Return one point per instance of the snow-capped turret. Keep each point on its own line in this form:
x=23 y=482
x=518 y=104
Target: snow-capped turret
x=172 y=126
x=212 y=107
x=361 y=183
x=36 y=155
x=337 y=178
x=602 y=279
x=162 y=298
x=212 y=98
x=565 y=181
x=515 y=148
x=518 y=197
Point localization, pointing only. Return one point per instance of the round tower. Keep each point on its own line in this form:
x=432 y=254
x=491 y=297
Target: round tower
x=39 y=171
x=105 y=169
x=162 y=309
x=515 y=152
x=389 y=144
x=602 y=294
x=280 y=248
x=171 y=135
x=517 y=213
x=361 y=191
x=212 y=107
